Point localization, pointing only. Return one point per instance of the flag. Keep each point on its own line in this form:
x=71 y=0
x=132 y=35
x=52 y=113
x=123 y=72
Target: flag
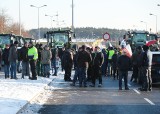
x=128 y=50
x=151 y=42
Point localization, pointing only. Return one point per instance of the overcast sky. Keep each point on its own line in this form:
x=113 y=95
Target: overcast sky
x=119 y=14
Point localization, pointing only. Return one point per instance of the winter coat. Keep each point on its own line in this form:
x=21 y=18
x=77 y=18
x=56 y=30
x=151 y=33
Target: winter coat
x=5 y=56
x=98 y=59
x=13 y=53
x=46 y=56
x=147 y=59
x=83 y=58
x=67 y=58
x=135 y=58
x=24 y=54
x=114 y=61
x=124 y=63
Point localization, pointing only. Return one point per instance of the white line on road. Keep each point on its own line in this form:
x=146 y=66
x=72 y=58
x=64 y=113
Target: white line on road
x=149 y=101
x=137 y=91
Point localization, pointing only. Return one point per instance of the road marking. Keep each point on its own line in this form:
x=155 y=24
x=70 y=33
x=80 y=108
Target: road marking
x=149 y=101
x=137 y=91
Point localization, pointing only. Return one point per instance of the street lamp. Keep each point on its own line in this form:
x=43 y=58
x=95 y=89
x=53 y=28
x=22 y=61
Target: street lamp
x=38 y=7
x=156 y=20
x=72 y=16
x=51 y=16
x=20 y=17
x=145 y=23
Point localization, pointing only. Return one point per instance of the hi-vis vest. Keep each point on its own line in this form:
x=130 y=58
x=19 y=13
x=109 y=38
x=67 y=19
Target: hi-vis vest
x=111 y=53
x=32 y=53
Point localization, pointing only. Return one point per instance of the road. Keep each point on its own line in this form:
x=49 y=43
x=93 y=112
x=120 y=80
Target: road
x=65 y=99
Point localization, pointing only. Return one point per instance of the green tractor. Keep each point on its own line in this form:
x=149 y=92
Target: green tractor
x=139 y=38
x=59 y=38
x=6 y=39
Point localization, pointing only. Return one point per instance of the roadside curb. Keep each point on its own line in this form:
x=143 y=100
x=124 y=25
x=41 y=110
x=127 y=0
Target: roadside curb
x=28 y=102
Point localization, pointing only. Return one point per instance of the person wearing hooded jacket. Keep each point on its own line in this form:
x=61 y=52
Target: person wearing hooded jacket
x=46 y=56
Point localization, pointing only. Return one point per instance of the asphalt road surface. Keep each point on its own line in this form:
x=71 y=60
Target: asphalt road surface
x=65 y=99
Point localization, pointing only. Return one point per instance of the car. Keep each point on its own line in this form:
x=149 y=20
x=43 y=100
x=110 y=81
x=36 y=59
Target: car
x=155 y=69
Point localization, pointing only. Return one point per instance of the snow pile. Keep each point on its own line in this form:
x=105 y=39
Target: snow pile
x=14 y=94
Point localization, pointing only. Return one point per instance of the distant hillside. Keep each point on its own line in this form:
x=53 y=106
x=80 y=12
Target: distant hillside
x=86 y=32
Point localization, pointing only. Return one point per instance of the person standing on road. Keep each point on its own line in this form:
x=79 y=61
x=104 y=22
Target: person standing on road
x=98 y=59
x=25 y=61
x=13 y=59
x=54 y=60
x=46 y=56
x=104 y=65
x=146 y=69
x=124 y=64
x=33 y=56
x=134 y=60
x=110 y=54
x=114 y=64
x=83 y=60
x=5 y=56
x=68 y=62
x=38 y=64
x=76 y=74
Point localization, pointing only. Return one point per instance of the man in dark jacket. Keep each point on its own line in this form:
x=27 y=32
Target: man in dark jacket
x=124 y=64
x=5 y=56
x=68 y=62
x=135 y=59
x=98 y=59
x=12 y=59
x=146 y=69
x=25 y=60
x=114 y=64
x=83 y=60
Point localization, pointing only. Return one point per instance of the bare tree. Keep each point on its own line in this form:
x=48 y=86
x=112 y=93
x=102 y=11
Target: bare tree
x=8 y=26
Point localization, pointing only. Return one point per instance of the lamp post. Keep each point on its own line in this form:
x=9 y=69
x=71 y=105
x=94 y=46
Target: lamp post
x=51 y=16
x=20 y=17
x=156 y=20
x=145 y=24
x=72 y=16
x=38 y=7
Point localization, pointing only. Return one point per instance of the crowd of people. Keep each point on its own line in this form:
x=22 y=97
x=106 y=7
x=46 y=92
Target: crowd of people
x=92 y=64
x=35 y=59
x=89 y=64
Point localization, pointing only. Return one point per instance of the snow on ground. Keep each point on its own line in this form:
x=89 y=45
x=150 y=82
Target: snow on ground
x=36 y=104
x=14 y=94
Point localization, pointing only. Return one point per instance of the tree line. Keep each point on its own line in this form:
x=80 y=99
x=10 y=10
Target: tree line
x=85 y=32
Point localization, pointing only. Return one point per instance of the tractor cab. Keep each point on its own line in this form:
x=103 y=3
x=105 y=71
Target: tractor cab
x=59 y=38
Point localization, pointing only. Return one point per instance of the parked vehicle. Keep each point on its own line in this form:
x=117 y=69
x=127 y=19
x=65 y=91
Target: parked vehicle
x=155 y=70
